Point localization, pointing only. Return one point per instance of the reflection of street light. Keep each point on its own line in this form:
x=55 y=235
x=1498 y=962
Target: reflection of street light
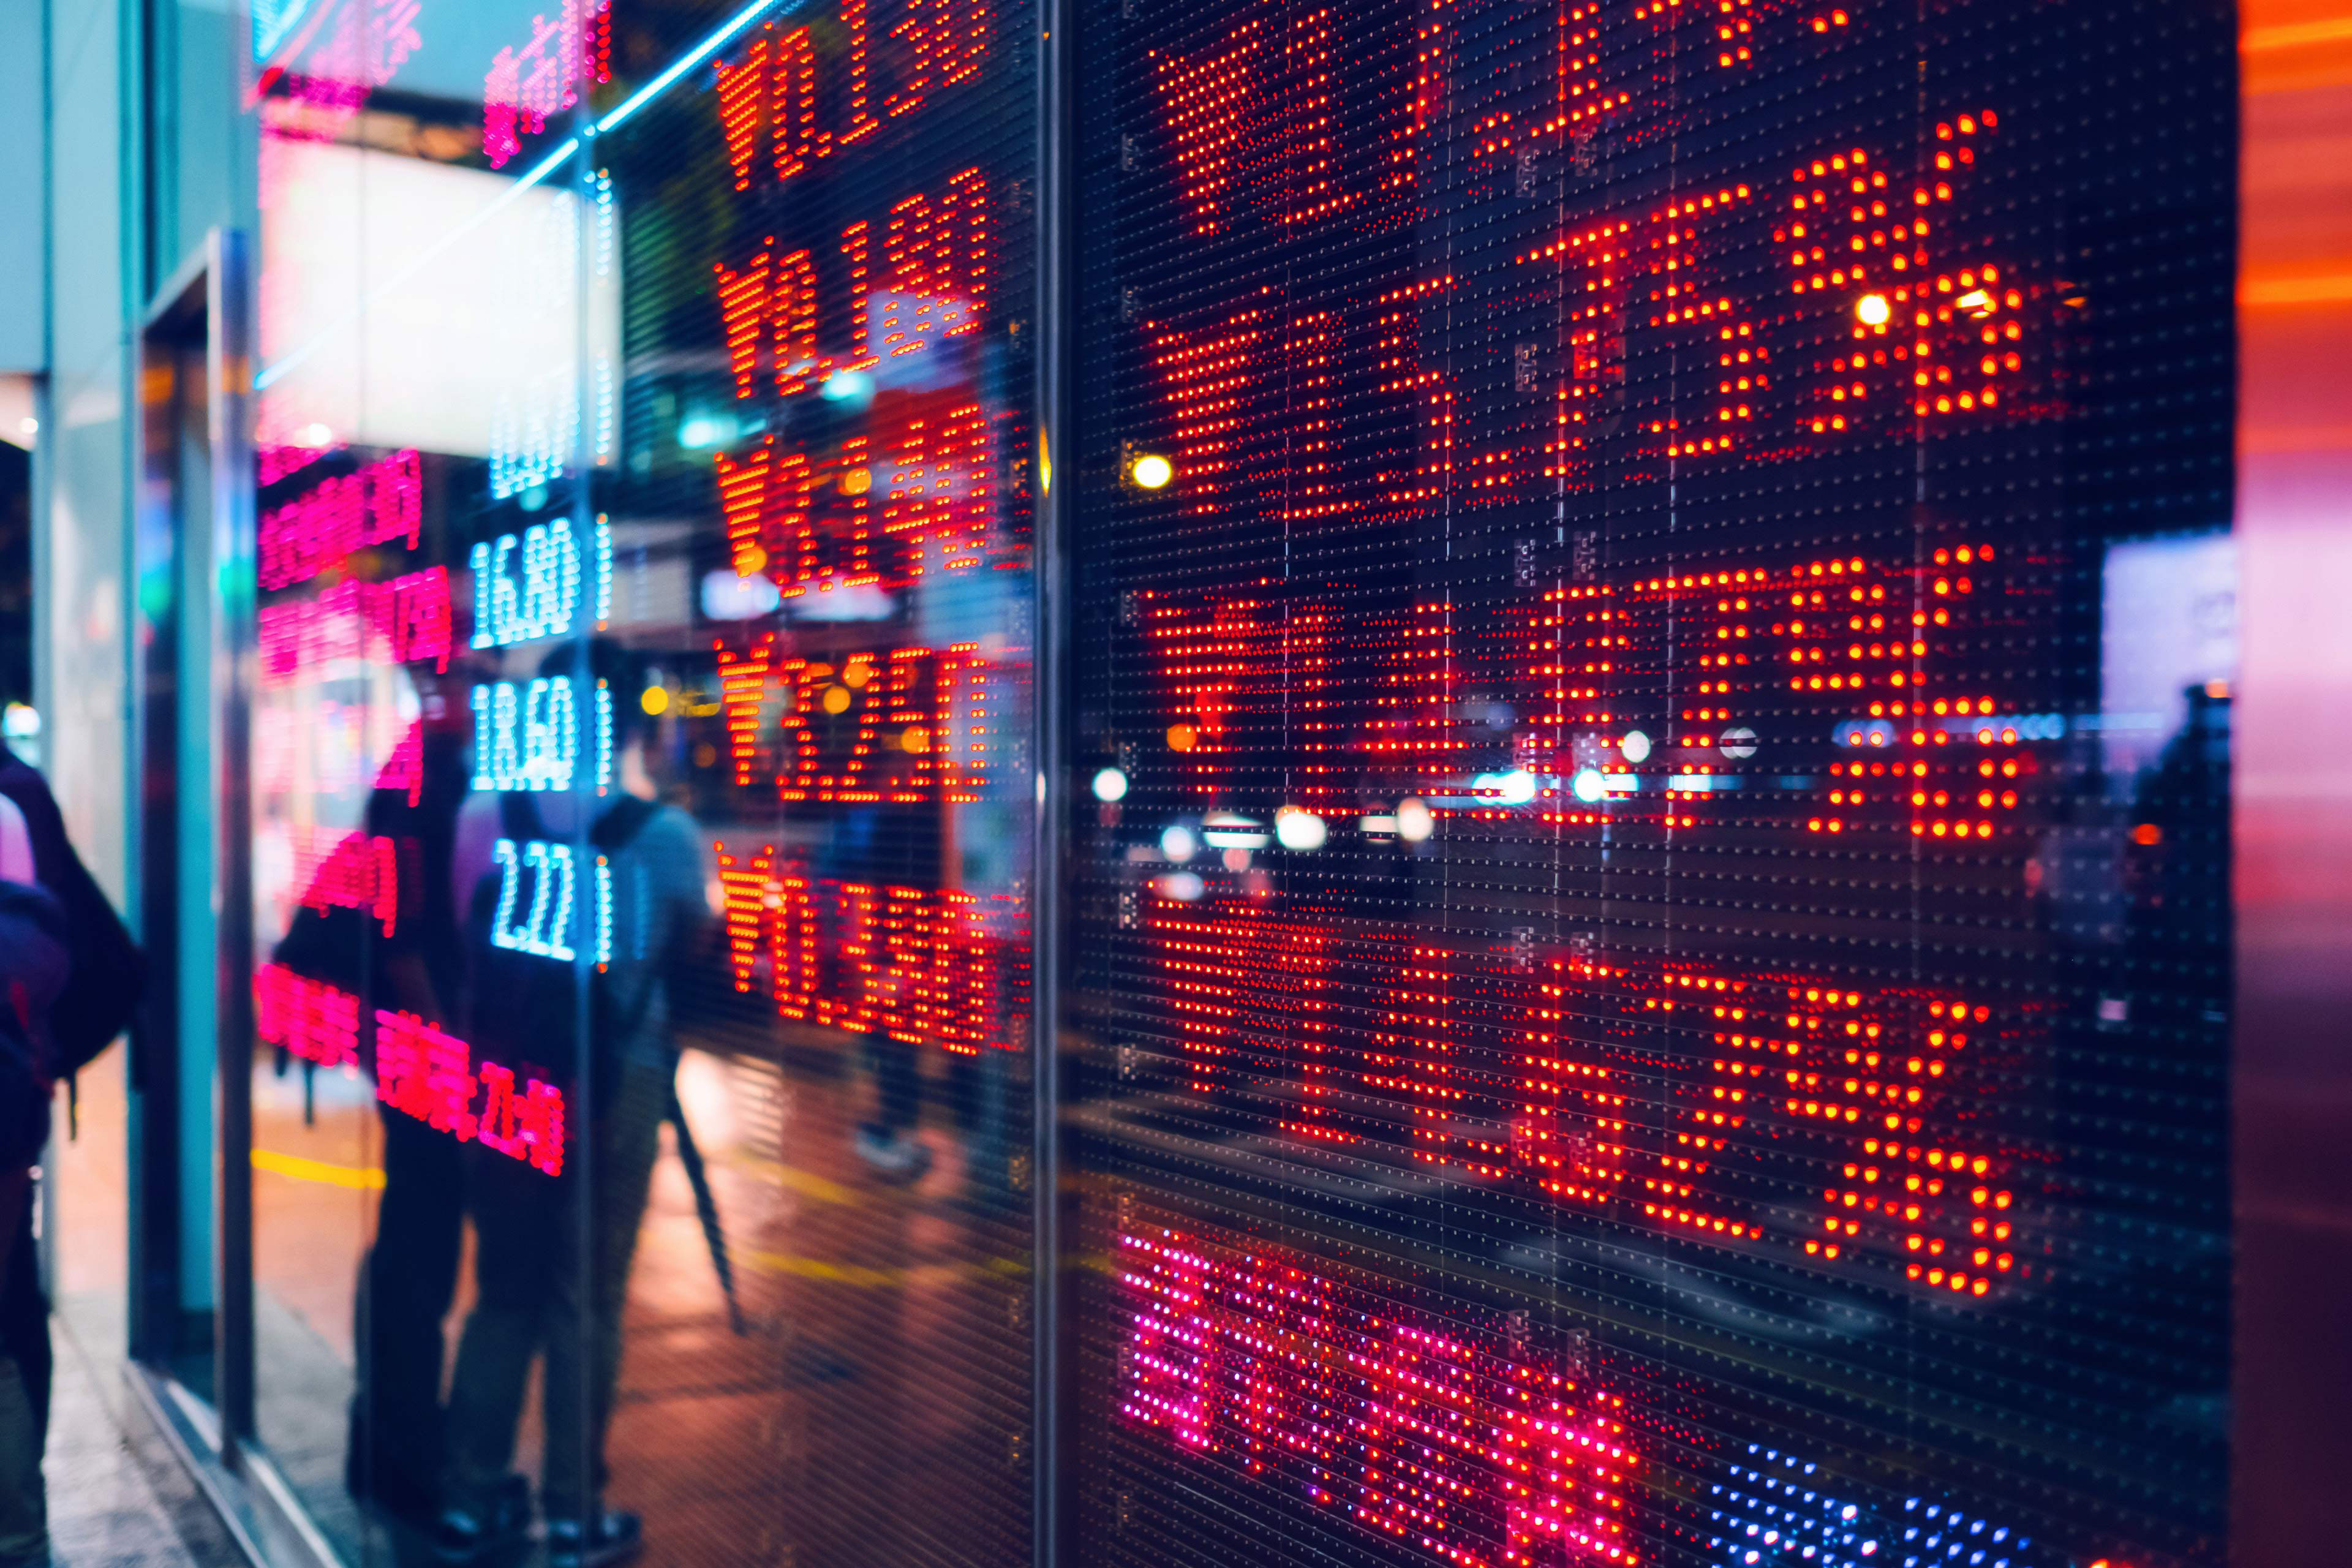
x=1872 y=311
x=1152 y=471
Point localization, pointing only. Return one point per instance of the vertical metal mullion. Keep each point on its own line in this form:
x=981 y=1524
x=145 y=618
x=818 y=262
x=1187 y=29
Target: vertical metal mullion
x=228 y=374
x=1056 y=327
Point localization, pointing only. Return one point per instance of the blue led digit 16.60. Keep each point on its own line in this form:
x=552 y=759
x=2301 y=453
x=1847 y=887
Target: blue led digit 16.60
x=526 y=584
x=527 y=736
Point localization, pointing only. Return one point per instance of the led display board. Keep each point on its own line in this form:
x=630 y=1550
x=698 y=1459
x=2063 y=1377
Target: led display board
x=1648 y=946
x=1644 y=700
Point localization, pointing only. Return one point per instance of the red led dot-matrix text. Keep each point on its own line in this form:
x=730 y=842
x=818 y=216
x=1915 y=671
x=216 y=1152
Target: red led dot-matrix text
x=924 y=966
x=1463 y=1444
x=782 y=115
x=1890 y=309
x=901 y=725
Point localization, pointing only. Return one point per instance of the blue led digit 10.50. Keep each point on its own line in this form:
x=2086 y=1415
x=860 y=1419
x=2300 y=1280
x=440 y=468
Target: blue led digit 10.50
x=526 y=584
x=527 y=735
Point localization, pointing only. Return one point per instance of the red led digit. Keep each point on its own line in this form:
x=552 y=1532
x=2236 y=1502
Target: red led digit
x=856 y=22
x=922 y=966
x=1208 y=101
x=1428 y=391
x=1210 y=379
x=1247 y=984
x=908 y=725
x=792 y=107
x=743 y=87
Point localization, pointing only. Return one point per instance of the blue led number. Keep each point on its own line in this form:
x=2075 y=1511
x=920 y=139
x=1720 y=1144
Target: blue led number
x=603 y=911
x=526 y=584
x=527 y=736
x=603 y=571
x=553 y=893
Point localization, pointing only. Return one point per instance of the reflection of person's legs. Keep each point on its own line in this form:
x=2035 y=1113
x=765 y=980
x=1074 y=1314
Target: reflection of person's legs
x=584 y=1352
x=23 y=1508
x=522 y=1266
x=898 y=1085
x=24 y=1394
x=406 y=1283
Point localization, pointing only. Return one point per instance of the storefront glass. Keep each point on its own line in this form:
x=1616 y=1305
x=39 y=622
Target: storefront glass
x=1657 y=975
x=1626 y=633
x=640 y=827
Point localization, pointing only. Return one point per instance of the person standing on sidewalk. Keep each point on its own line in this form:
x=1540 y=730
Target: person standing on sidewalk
x=68 y=979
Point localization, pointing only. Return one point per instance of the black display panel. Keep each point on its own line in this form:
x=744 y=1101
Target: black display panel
x=1648 y=937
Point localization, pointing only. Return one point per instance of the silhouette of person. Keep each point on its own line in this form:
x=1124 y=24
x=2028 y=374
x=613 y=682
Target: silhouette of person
x=552 y=1253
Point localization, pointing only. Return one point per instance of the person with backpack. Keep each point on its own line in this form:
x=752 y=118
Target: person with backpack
x=552 y=1253
x=69 y=979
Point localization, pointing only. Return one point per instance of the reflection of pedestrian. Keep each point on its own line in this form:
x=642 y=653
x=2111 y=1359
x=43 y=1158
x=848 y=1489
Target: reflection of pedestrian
x=879 y=847
x=63 y=954
x=408 y=1279
x=553 y=1253
x=32 y=973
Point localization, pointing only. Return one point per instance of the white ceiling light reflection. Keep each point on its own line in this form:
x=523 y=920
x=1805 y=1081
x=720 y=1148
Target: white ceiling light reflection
x=854 y=387
x=1590 y=787
x=1227 y=830
x=1110 y=787
x=1179 y=843
x=728 y=597
x=1635 y=746
x=1182 y=886
x=1300 y=829
x=1413 y=821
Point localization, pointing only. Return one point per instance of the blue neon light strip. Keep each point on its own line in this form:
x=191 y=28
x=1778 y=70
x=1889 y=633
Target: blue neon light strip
x=546 y=166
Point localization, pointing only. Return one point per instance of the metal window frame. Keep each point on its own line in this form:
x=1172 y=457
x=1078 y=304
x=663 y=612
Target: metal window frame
x=207 y=301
